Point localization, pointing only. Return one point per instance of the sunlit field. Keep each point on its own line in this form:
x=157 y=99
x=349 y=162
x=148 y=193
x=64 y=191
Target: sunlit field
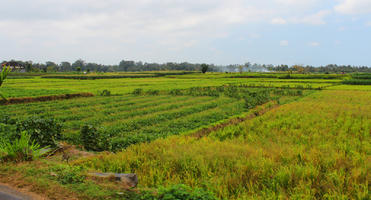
x=223 y=135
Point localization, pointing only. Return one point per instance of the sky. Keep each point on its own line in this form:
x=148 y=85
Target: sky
x=307 y=32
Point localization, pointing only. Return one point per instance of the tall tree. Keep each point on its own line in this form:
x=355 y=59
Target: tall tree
x=204 y=68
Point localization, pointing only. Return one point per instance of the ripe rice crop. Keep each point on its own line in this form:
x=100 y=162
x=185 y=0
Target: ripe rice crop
x=316 y=148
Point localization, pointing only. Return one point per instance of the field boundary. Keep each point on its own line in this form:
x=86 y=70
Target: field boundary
x=235 y=120
x=11 y=101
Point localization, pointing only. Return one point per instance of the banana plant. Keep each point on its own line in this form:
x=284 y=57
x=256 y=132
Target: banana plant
x=4 y=73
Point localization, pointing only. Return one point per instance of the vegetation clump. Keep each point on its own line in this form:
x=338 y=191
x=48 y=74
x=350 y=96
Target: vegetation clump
x=18 y=150
x=45 y=131
x=3 y=75
x=105 y=93
x=179 y=192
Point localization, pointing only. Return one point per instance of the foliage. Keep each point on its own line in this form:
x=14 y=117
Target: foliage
x=68 y=174
x=3 y=75
x=89 y=137
x=105 y=93
x=43 y=130
x=18 y=150
x=253 y=99
x=179 y=192
x=357 y=81
x=138 y=91
x=315 y=148
x=204 y=68
x=362 y=76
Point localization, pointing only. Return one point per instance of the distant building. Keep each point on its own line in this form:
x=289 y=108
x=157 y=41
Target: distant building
x=14 y=66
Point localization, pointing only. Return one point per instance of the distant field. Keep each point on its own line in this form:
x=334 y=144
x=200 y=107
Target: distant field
x=37 y=86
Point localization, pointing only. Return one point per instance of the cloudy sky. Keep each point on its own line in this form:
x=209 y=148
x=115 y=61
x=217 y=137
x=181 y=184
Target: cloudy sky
x=315 y=32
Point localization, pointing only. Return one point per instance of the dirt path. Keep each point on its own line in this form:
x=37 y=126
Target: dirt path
x=9 y=193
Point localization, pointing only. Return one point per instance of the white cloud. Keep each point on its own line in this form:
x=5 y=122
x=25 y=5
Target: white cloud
x=144 y=29
x=284 y=43
x=279 y=21
x=314 y=19
x=298 y=3
x=368 y=23
x=314 y=44
x=354 y=7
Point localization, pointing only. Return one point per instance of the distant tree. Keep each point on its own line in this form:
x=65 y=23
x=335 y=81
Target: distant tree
x=240 y=69
x=78 y=63
x=28 y=66
x=126 y=65
x=65 y=66
x=299 y=68
x=204 y=68
x=78 y=69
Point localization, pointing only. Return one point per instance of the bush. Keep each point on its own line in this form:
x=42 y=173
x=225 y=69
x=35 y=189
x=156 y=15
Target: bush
x=105 y=93
x=179 y=192
x=69 y=175
x=90 y=138
x=44 y=131
x=138 y=91
x=6 y=119
x=18 y=150
x=153 y=92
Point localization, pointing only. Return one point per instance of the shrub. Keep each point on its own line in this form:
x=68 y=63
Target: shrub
x=176 y=92
x=105 y=93
x=44 y=131
x=153 y=92
x=90 y=137
x=18 y=150
x=179 y=192
x=6 y=119
x=69 y=175
x=138 y=91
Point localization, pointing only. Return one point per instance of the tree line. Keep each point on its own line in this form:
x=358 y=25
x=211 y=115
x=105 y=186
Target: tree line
x=132 y=66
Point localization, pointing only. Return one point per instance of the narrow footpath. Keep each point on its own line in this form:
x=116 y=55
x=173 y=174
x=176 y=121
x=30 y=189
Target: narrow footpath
x=8 y=193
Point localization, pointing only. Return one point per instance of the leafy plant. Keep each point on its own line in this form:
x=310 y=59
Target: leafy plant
x=90 y=137
x=179 y=192
x=44 y=131
x=105 y=93
x=69 y=174
x=138 y=91
x=3 y=74
x=153 y=92
x=18 y=150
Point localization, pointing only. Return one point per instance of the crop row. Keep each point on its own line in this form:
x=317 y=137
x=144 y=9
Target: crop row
x=129 y=119
x=315 y=148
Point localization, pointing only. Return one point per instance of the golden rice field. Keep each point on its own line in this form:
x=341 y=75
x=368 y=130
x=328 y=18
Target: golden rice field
x=316 y=148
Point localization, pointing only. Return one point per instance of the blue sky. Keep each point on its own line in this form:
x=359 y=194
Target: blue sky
x=313 y=32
